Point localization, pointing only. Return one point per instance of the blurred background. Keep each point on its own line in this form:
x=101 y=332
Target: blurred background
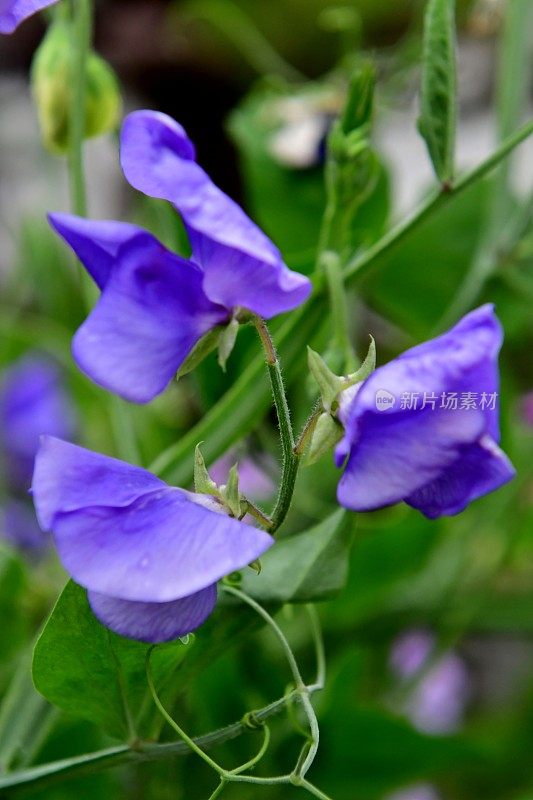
x=429 y=647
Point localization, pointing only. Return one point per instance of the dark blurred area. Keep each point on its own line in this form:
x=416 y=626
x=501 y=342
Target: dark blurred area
x=186 y=58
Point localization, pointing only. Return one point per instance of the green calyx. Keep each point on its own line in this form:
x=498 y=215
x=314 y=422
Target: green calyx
x=331 y=385
x=328 y=430
x=228 y=494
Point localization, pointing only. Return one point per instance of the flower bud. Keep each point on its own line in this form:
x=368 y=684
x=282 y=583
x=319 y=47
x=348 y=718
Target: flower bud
x=52 y=85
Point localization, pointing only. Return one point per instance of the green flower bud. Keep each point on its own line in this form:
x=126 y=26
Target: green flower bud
x=52 y=82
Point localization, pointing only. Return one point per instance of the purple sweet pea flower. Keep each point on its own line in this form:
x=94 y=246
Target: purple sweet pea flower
x=156 y=305
x=33 y=402
x=13 y=12
x=424 y=428
x=150 y=555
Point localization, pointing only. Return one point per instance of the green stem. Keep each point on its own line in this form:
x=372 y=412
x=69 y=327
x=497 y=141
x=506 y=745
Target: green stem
x=291 y=458
x=246 y=402
x=313 y=790
x=218 y=791
x=258 y=756
x=511 y=98
x=81 y=38
x=319 y=645
x=244 y=598
x=331 y=263
x=42 y=775
x=311 y=747
x=361 y=264
x=262 y=518
x=191 y=744
x=331 y=243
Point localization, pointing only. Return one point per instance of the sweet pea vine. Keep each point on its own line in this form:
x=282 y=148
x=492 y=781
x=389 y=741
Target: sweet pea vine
x=156 y=561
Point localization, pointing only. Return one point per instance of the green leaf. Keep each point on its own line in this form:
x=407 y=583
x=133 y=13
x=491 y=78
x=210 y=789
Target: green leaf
x=92 y=673
x=438 y=102
x=309 y=566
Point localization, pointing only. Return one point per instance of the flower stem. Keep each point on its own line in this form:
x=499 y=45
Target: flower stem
x=291 y=458
x=313 y=790
x=218 y=791
x=254 y=511
x=173 y=724
x=91 y=763
x=319 y=645
x=258 y=756
x=360 y=264
x=310 y=747
x=81 y=38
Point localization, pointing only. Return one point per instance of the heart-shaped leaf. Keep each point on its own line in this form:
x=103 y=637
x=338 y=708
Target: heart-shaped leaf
x=88 y=671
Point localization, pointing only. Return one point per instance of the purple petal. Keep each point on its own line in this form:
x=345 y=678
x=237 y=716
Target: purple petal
x=394 y=452
x=150 y=315
x=69 y=478
x=133 y=537
x=242 y=267
x=398 y=454
x=95 y=242
x=154 y=622
x=13 y=12
x=463 y=359
x=479 y=468
x=161 y=547
x=32 y=402
x=233 y=278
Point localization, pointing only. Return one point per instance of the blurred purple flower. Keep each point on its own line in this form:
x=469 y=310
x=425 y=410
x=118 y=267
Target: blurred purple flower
x=19 y=527
x=13 y=12
x=254 y=475
x=428 y=445
x=149 y=554
x=436 y=703
x=33 y=402
x=156 y=305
